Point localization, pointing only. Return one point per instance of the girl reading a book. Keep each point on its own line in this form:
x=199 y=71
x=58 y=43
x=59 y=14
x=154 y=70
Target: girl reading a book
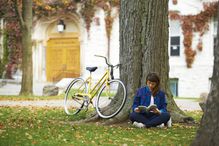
x=149 y=107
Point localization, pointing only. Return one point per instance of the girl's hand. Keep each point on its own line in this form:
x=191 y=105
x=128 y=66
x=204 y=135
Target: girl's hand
x=156 y=111
x=137 y=110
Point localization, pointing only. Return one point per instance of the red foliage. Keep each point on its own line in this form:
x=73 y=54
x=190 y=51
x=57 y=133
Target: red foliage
x=200 y=46
x=194 y=23
x=173 y=15
x=102 y=4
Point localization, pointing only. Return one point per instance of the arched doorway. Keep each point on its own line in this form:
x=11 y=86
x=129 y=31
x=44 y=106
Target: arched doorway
x=62 y=58
x=56 y=55
x=62 y=55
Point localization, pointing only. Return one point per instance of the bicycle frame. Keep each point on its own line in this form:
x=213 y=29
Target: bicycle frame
x=92 y=91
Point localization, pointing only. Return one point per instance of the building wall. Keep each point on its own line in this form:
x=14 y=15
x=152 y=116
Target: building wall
x=192 y=81
x=96 y=43
x=186 y=7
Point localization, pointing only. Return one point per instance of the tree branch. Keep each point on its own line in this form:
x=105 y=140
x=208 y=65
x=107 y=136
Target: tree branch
x=20 y=18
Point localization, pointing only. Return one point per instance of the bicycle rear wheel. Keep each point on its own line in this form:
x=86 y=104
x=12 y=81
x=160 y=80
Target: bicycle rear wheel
x=73 y=103
x=111 y=99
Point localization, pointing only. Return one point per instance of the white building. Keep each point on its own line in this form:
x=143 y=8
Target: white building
x=64 y=55
x=190 y=82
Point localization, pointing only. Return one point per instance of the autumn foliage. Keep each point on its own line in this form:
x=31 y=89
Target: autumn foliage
x=194 y=23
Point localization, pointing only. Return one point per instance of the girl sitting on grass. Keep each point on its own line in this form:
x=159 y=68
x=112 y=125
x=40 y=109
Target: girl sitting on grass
x=146 y=96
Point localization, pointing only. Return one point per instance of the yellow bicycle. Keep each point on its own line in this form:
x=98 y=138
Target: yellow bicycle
x=108 y=95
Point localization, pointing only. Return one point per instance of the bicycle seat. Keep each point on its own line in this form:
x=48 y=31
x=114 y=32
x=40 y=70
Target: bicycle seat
x=91 y=69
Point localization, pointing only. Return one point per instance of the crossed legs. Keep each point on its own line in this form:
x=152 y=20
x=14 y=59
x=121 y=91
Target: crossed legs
x=150 y=119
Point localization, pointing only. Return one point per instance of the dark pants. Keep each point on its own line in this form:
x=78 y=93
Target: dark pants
x=150 y=119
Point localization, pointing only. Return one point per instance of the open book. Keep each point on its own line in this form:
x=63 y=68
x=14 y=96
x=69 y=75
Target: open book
x=147 y=109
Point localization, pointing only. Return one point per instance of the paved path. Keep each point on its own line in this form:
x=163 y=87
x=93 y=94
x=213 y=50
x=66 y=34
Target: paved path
x=189 y=105
x=184 y=104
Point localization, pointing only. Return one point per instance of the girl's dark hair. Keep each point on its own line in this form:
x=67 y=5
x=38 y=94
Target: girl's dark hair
x=153 y=77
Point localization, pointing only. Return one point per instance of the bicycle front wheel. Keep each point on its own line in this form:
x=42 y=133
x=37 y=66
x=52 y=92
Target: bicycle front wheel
x=111 y=99
x=74 y=102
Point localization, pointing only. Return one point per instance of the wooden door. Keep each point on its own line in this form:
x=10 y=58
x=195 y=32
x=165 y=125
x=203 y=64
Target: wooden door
x=62 y=58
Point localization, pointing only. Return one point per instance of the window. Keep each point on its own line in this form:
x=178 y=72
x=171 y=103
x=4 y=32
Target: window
x=175 y=46
x=173 y=83
x=174 y=33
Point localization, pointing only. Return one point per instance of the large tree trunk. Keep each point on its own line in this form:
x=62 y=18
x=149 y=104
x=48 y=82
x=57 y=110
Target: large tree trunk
x=208 y=133
x=144 y=48
x=27 y=76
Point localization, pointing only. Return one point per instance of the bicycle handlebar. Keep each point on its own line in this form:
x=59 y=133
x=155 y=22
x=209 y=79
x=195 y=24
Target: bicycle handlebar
x=104 y=58
x=109 y=65
x=108 y=62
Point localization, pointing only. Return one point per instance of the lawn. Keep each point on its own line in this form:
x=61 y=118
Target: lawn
x=50 y=126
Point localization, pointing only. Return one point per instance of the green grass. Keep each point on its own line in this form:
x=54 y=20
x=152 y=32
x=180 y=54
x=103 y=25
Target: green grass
x=51 y=126
x=196 y=115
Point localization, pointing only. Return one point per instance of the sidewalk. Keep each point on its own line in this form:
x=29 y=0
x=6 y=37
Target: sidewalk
x=184 y=104
x=187 y=104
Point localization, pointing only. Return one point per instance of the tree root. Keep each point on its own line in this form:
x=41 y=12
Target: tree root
x=180 y=118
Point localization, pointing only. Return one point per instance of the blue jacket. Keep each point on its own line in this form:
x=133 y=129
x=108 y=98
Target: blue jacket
x=143 y=97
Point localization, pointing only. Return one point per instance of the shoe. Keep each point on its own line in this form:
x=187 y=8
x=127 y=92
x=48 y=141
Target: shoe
x=169 y=123
x=161 y=125
x=138 y=125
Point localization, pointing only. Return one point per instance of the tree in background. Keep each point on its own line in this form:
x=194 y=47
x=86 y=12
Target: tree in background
x=25 y=18
x=208 y=133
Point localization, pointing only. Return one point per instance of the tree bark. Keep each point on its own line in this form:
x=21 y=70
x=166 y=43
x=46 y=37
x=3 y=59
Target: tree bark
x=208 y=133
x=27 y=75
